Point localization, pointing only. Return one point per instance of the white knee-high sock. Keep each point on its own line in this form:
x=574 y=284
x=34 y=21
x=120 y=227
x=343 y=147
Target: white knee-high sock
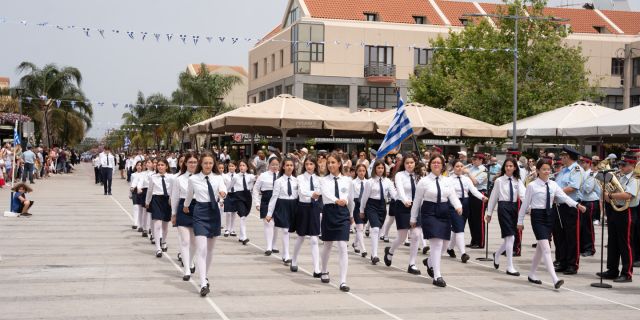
x=140 y=216
x=157 y=231
x=509 y=240
x=387 y=225
x=201 y=259
x=535 y=262
x=501 y=249
x=315 y=253
x=435 y=257
x=413 y=248
x=243 y=228
x=148 y=214
x=344 y=261
x=285 y=243
x=274 y=241
x=360 y=237
x=210 y=245
x=326 y=252
x=268 y=234
x=402 y=234
x=135 y=214
x=548 y=261
x=375 y=237
x=296 y=250
x=232 y=221
x=165 y=231
x=459 y=242
x=192 y=247
x=185 y=248
x=452 y=242
x=227 y=221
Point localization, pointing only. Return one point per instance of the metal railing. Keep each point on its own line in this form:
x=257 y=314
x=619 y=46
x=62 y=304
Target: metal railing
x=379 y=69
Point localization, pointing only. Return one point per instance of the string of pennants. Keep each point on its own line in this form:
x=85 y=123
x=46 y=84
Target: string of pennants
x=59 y=102
x=215 y=39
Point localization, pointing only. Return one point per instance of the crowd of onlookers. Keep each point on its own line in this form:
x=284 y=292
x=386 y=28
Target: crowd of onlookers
x=34 y=163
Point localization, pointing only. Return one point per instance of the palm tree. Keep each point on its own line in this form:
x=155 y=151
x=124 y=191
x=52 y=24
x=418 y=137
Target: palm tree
x=44 y=86
x=207 y=89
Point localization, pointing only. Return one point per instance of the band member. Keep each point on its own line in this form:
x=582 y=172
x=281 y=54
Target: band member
x=358 y=187
x=240 y=188
x=620 y=224
x=262 y=191
x=283 y=204
x=478 y=175
x=590 y=191
x=184 y=221
x=567 y=235
x=159 y=204
x=507 y=192
x=539 y=196
x=434 y=195
x=308 y=213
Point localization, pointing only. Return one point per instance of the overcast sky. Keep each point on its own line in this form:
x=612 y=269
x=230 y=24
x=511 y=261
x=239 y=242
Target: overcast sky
x=116 y=67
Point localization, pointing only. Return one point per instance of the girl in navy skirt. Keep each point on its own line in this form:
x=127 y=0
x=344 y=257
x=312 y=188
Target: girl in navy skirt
x=283 y=205
x=539 y=196
x=359 y=182
x=207 y=189
x=373 y=203
x=184 y=221
x=159 y=203
x=142 y=185
x=262 y=191
x=230 y=202
x=406 y=180
x=338 y=196
x=463 y=186
x=137 y=206
x=434 y=196
x=508 y=191
x=308 y=214
x=240 y=188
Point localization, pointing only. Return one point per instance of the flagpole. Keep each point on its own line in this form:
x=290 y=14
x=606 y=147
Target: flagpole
x=413 y=136
x=13 y=165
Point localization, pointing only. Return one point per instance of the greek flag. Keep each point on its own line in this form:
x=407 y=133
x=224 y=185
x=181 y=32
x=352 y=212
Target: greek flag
x=127 y=142
x=16 y=136
x=399 y=131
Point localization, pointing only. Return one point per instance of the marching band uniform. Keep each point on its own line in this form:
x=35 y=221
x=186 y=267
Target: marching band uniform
x=308 y=219
x=240 y=187
x=282 y=207
x=373 y=205
x=159 y=204
x=184 y=222
x=476 y=207
x=262 y=191
x=463 y=186
x=590 y=191
x=358 y=189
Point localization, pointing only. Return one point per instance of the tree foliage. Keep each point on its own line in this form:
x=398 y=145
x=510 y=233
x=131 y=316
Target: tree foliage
x=478 y=83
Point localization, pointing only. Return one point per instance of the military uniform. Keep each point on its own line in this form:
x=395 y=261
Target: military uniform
x=476 y=206
x=590 y=195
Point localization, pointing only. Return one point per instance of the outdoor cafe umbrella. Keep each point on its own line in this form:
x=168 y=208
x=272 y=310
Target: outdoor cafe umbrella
x=616 y=123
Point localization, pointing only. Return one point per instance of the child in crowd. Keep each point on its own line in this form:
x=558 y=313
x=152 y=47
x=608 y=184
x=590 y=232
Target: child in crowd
x=19 y=203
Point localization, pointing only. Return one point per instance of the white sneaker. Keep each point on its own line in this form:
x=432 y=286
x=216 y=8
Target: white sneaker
x=596 y=222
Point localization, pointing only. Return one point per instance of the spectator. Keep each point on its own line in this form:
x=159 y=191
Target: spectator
x=19 y=203
x=29 y=159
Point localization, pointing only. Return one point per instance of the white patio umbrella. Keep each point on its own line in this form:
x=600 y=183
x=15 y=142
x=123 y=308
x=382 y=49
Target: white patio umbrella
x=618 y=123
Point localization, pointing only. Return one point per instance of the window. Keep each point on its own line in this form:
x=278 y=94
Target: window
x=264 y=61
x=293 y=16
x=422 y=56
x=636 y=72
x=601 y=29
x=419 y=19
x=378 y=55
x=328 y=95
x=464 y=22
x=617 y=66
x=255 y=70
x=371 y=16
x=278 y=90
x=377 y=97
x=254 y=99
x=262 y=96
x=281 y=58
x=288 y=89
x=269 y=93
x=273 y=62
x=635 y=101
x=306 y=46
x=615 y=102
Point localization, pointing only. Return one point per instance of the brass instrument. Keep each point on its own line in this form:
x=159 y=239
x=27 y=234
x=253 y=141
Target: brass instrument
x=613 y=185
x=530 y=178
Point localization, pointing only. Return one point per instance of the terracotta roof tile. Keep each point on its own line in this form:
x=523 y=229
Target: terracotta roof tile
x=4 y=79
x=397 y=11
x=214 y=67
x=581 y=20
x=454 y=10
x=628 y=21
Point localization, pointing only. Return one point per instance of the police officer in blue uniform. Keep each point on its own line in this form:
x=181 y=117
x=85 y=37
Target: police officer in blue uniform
x=590 y=194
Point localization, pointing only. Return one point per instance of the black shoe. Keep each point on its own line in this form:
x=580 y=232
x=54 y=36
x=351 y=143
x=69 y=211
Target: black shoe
x=356 y=250
x=558 y=284
x=164 y=246
x=386 y=239
x=535 y=245
x=570 y=270
x=344 y=287
x=366 y=233
x=193 y=269
x=556 y=264
x=439 y=282
x=245 y=241
x=159 y=254
x=134 y=227
x=381 y=238
x=609 y=275
x=325 y=280
x=622 y=279
x=429 y=269
x=375 y=260
x=144 y=234
x=226 y=233
x=452 y=254
x=286 y=262
x=407 y=244
x=293 y=268
x=186 y=277
x=139 y=229
x=424 y=250
x=364 y=254
x=475 y=246
x=413 y=270
x=495 y=265
x=275 y=251
x=561 y=269
x=317 y=275
x=464 y=258
x=180 y=258
x=468 y=245
x=534 y=281
x=268 y=252
x=204 y=291
x=387 y=260
x=233 y=234
x=515 y=274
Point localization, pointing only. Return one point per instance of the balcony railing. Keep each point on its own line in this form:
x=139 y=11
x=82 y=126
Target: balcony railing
x=379 y=70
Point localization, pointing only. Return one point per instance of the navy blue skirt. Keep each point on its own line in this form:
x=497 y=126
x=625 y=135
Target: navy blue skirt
x=206 y=219
x=264 y=203
x=308 y=219
x=183 y=219
x=284 y=213
x=230 y=203
x=436 y=220
x=376 y=212
x=141 y=197
x=402 y=214
x=160 y=208
x=542 y=223
x=335 y=223
x=356 y=214
x=134 y=197
x=242 y=202
x=458 y=221
x=508 y=218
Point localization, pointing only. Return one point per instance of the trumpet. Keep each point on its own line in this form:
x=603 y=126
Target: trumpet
x=613 y=185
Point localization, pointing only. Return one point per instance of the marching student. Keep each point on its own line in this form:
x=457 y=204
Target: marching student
x=463 y=186
x=262 y=192
x=338 y=196
x=240 y=188
x=373 y=203
x=406 y=180
x=130 y=167
x=107 y=163
x=358 y=188
x=539 y=196
x=142 y=185
x=96 y=168
x=434 y=195
x=159 y=203
x=229 y=202
x=182 y=220
x=283 y=204
x=307 y=218
x=508 y=191
x=207 y=189
x=137 y=205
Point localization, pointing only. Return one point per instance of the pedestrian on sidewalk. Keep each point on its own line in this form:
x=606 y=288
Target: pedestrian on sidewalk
x=29 y=159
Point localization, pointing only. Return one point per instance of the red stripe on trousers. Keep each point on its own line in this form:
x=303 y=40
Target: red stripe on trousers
x=629 y=271
x=482 y=224
x=578 y=238
x=593 y=234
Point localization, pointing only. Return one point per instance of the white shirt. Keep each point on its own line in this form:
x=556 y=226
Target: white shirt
x=280 y=191
x=179 y=190
x=427 y=190
x=224 y=157
x=468 y=186
x=357 y=185
x=134 y=179
x=630 y=185
x=155 y=185
x=129 y=163
x=345 y=190
x=107 y=160
x=590 y=188
x=536 y=197
x=264 y=182
x=235 y=182
x=173 y=162
x=304 y=183
x=143 y=179
x=138 y=158
x=197 y=188
x=480 y=174
x=372 y=191
x=96 y=162
x=403 y=185
x=501 y=192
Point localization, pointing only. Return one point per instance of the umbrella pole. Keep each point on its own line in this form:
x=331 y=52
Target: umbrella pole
x=284 y=141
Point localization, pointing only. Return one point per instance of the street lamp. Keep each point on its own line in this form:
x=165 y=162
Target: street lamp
x=20 y=93
x=516 y=17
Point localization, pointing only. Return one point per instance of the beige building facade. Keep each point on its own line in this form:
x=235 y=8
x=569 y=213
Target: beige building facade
x=237 y=97
x=356 y=55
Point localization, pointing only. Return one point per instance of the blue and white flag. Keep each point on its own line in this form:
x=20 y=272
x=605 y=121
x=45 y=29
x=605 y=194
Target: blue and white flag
x=16 y=136
x=399 y=131
x=127 y=142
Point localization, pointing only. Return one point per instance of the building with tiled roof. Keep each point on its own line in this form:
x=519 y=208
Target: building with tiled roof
x=238 y=95
x=4 y=83
x=355 y=53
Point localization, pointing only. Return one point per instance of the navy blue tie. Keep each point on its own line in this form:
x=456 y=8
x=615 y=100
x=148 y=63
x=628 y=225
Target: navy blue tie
x=510 y=190
x=413 y=187
x=381 y=189
x=274 y=179
x=461 y=187
x=289 y=192
x=439 y=191
x=548 y=202
x=311 y=182
x=233 y=187
x=164 y=187
x=212 y=197
x=337 y=190
x=361 y=190
x=244 y=182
